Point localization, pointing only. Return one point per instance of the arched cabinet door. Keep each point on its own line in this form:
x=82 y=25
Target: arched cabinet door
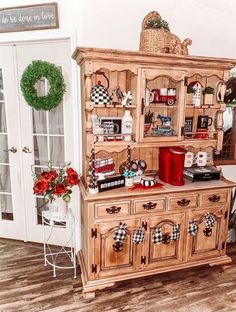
x=164 y=243
x=115 y=257
x=209 y=241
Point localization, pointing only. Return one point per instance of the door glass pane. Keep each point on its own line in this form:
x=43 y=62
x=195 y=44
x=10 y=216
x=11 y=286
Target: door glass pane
x=4 y=156
x=40 y=150
x=3 y=122
x=5 y=182
x=1 y=96
x=56 y=120
x=57 y=151
x=41 y=205
x=1 y=80
x=39 y=122
x=6 y=208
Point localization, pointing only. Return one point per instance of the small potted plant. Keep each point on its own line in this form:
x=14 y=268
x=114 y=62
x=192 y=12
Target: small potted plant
x=157 y=23
x=148 y=120
x=208 y=93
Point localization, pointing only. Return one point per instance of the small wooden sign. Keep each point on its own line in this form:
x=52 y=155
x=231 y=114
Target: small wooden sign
x=29 y=17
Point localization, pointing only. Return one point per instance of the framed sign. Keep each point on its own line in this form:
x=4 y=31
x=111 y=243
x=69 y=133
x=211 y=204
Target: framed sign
x=111 y=125
x=29 y=17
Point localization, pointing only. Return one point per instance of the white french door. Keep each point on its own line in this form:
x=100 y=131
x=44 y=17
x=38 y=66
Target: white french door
x=11 y=216
x=38 y=136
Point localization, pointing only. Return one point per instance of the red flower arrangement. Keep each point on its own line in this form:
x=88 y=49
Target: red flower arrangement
x=53 y=184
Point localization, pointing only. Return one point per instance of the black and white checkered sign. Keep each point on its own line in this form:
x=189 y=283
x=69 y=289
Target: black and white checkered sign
x=193 y=228
x=209 y=220
x=157 y=235
x=175 y=234
x=138 y=236
x=120 y=233
x=99 y=95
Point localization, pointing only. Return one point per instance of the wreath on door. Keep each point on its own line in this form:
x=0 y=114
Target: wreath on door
x=32 y=74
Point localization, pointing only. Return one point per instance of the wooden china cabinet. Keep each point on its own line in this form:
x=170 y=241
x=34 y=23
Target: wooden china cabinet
x=103 y=262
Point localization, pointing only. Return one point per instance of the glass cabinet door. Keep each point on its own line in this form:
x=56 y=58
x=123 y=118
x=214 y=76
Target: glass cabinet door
x=162 y=105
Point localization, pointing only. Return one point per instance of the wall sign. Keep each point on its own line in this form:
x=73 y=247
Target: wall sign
x=29 y=17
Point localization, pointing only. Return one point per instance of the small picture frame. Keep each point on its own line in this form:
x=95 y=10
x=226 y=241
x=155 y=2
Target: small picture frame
x=188 y=127
x=111 y=125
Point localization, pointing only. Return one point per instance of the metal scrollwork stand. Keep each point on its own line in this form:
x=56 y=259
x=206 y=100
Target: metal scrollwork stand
x=66 y=248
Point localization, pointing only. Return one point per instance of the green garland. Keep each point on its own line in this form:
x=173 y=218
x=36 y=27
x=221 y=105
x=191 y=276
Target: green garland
x=35 y=71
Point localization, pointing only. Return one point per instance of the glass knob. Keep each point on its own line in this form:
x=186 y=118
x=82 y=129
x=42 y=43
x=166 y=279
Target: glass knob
x=26 y=150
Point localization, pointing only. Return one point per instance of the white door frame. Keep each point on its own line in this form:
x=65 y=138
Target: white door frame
x=76 y=159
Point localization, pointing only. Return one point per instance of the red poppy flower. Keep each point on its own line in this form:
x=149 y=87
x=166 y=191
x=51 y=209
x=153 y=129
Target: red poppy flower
x=48 y=176
x=70 y=170
x=72 y=178
x=40 y=187
x=59 y=189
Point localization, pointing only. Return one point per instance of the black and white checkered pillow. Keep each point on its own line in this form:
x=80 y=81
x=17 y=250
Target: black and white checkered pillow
x=157 y=235
x=120 y=233
x=193 y=228
x=99 y=95
x=175 y=234
x=209 y=220
x=138 y=236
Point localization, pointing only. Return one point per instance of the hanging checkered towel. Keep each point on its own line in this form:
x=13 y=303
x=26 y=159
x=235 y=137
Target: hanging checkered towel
x=209 y=220
x=157 y=235
x=175 y=234
x=193 y=228
x=138 y=236
x=120 y=233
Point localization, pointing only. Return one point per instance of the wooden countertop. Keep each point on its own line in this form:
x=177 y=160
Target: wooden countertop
x=166 y=188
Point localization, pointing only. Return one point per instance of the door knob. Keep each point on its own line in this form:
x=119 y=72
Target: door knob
x=13 y=149
x=26 y=150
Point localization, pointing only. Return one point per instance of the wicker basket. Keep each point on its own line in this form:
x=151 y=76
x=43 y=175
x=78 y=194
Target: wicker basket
x=153 y=40
x=160 y=40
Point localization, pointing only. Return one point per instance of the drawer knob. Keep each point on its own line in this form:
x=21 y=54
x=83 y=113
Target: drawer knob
x=214 y=198
x=113 y=209
x=183 y=202
x=149 y=206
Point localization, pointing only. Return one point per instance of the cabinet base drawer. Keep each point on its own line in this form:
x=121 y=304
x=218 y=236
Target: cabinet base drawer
x=112 y=209
x=213 y=198
x=178 y=202
x=150 y=205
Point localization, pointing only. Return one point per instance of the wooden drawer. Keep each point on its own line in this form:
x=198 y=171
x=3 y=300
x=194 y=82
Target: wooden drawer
x=214 y=197
x=112 y=209
x=149 y=205
x=182 y=201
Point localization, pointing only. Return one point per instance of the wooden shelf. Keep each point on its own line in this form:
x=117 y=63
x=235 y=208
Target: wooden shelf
x=203 y=106
x=160 y=105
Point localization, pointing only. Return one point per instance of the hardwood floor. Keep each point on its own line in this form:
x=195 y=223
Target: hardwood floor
x=26 y=285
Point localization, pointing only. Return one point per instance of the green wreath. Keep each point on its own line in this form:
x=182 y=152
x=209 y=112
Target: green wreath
x=35 y=71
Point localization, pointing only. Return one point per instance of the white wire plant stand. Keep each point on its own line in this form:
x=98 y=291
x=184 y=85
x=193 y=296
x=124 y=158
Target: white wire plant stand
x=66 y=249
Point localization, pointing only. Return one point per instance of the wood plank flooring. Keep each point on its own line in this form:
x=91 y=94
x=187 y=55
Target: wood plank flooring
x=26 y=285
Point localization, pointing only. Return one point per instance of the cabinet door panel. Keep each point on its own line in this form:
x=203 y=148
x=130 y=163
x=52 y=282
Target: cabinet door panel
x=162 y=109
x=168 y=252
x=201 y=246
x=112 y=258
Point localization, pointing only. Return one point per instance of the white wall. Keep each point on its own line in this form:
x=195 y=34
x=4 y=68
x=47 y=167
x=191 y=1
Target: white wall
x=116 y=24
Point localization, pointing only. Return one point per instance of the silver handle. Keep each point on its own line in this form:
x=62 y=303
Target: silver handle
x=26 y=150
x=13 y=149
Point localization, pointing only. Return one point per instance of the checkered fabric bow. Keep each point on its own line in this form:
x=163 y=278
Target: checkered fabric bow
x=193 y=228
x=209 y=220
x=157 y=236
x=120 y=234
x=175 y=234
x=138 y=236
